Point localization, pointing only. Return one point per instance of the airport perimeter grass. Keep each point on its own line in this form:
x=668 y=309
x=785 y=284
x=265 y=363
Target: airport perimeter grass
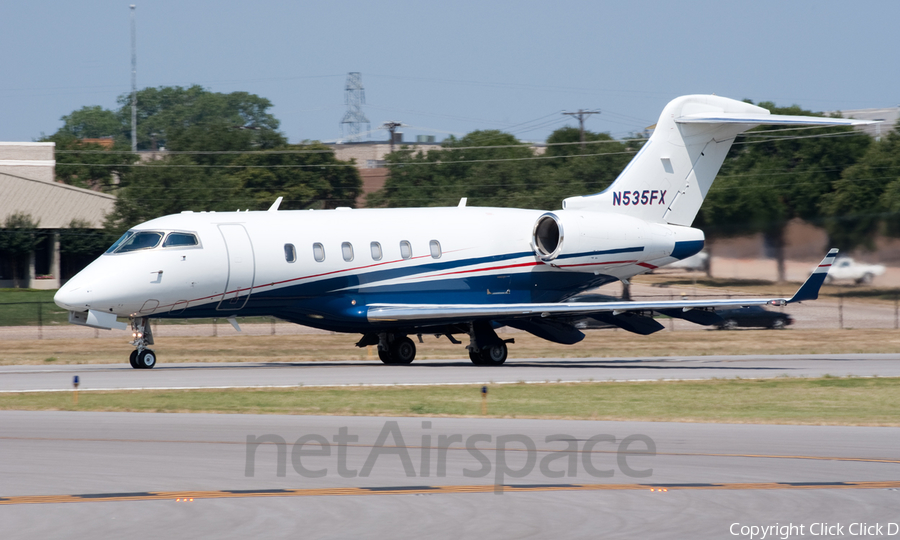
x=823 y=401
x=332 y=347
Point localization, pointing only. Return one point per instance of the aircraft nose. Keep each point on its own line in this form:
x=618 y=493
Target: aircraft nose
x=72 y=298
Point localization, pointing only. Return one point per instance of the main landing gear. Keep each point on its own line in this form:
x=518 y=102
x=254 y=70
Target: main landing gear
x=485 y=347
x=142 y=357
x=492 y=355
x=396 y=349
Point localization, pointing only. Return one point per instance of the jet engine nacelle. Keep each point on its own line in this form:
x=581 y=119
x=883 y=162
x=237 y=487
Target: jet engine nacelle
x=584 y=240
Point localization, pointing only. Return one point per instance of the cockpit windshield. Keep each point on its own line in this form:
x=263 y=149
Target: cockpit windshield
x=140 y=240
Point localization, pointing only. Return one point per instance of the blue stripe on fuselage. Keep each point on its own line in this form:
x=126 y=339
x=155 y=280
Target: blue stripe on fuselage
x=685 y=249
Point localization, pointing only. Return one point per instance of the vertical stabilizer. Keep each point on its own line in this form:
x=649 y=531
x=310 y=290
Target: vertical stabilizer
x=670 y=176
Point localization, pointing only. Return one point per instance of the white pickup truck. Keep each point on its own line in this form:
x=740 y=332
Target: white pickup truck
x=847 y=268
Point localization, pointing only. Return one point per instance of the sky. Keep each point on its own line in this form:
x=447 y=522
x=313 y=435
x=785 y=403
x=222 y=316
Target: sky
x=449 y=67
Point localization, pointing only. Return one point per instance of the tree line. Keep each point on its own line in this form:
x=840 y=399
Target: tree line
x=224 y=152
x=836 y=178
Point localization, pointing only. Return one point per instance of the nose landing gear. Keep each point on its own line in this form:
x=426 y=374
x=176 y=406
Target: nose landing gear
x=142 y=357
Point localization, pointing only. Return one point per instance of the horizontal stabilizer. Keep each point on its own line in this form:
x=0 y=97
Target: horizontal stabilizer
x=768 y=119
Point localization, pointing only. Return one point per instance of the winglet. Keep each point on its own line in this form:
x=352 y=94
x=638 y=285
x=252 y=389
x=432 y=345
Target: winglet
x=810 y=288
x=276 y=204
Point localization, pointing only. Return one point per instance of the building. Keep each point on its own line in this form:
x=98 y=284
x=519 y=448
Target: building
x=28 y=186
x=888 y=117
x=370 y=162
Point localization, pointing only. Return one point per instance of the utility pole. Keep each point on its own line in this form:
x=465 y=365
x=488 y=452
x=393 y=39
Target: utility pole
x=391 y=127
x=133 y=83
x=581 y=115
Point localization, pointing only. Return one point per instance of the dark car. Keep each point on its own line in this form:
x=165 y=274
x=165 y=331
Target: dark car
x=753 y=317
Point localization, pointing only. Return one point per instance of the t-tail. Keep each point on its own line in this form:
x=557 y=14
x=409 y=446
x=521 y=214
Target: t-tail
x=670 y=176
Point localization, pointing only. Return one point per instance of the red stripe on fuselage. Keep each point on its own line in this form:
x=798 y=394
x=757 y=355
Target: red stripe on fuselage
x=595 y=264
x=533 y=263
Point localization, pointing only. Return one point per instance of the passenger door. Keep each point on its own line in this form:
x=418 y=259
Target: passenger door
x=241 y=267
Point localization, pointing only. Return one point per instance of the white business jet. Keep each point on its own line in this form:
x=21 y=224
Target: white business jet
x=391 y=273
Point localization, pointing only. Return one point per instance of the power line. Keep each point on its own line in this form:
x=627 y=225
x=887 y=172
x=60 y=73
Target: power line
x=324 y=165
x=133 y=82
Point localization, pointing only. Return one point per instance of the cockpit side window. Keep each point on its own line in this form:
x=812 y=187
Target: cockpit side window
x=140 y=240
x=179 y=239
x=118 y=243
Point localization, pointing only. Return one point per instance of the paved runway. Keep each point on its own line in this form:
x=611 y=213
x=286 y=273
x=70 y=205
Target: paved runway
x=124 y=475
x=106 y=376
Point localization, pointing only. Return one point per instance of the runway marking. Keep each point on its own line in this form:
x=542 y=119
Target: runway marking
x=411 y=384
x=422 y=490
x=350 y=385
x=486 y=449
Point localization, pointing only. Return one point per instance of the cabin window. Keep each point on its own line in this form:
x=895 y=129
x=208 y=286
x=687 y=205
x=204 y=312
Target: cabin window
x=405 y=250
x=318 y=252
x=377 y=254
x=140 y=240
x=290 y=253
x=178 y=239
x=435 y=249
x=347 y=251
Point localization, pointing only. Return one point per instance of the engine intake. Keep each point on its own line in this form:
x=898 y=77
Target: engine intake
x=547 y=237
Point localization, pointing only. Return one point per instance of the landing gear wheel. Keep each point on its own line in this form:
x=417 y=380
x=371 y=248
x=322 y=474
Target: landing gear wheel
x=146 y=359
x=494 y=355
x=403 y=351
x=729 y=324
x=385 y=356
x=475 y=357
x=133 y=359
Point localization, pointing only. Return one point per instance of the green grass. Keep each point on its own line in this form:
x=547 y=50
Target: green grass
x=831 y=400
x=25 y=307
x=28 y=307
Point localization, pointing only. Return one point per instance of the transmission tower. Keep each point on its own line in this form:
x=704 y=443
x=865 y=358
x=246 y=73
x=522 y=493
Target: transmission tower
x=354 y=98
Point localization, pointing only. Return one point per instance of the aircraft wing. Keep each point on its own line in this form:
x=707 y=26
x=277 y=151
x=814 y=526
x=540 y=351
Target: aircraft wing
x=383 y=313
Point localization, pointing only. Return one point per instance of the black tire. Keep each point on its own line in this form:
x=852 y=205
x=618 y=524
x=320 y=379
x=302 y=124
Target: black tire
x=475 y=357
x=385 y=356
x=403 y=351
x=866 y=279
x=494 y=355
x=146 y=359
x=729 y=324
x=133 y=359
